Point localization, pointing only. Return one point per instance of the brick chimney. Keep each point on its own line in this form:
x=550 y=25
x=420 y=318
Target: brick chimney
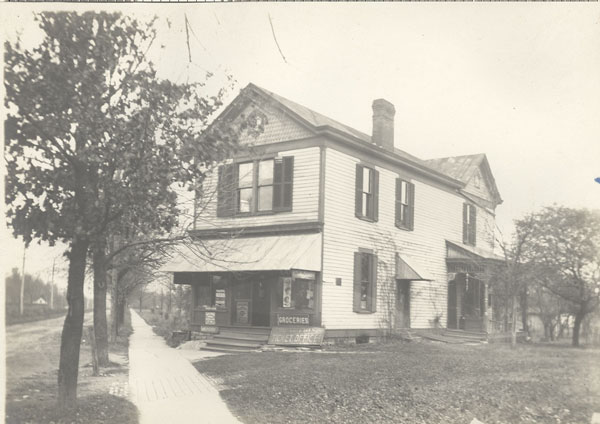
x=383 y=124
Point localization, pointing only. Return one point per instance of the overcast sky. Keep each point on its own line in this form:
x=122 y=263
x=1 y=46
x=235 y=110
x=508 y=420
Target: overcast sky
x=519 y=81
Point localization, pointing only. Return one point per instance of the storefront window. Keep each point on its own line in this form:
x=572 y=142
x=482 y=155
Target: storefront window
x=212 y=294
x=296 y=293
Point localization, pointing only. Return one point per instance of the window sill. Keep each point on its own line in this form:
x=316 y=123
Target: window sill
x=364 y=312
x=404 y=228
x=261 y=213
x=366 y=218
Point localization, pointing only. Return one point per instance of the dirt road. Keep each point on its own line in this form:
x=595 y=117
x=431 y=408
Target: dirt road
x=33 y=347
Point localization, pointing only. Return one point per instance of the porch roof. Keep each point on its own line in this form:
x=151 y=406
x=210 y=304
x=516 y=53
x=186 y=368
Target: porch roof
x=408 y=269
x=459 y=251
x=275 y=253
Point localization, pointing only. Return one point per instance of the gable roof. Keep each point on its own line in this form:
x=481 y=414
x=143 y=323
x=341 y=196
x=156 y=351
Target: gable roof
x=463 y=167
x=319 y=124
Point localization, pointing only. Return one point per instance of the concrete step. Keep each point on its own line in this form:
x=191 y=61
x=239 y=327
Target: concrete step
x=246 y=330
x=242 y=336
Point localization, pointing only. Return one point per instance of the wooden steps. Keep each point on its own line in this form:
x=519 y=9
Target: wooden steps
x=238 y=339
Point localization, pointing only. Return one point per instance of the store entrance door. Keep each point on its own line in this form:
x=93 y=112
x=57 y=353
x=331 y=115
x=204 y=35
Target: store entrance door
x=261 y=303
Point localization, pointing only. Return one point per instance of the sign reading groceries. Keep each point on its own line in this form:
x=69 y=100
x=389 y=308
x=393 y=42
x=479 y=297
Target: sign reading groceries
x=293 y=319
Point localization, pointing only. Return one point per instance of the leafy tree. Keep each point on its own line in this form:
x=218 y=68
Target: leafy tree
x=95 y=140
x=565 y=248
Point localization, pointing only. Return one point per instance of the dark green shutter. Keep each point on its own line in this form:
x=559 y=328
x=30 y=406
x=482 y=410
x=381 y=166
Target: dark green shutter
x=473 y=224
x=411 y=205
x=465 y=223
x=226 y=188
x=358 y=194
x=375 y=194
x=373 y=281
x=357 y=279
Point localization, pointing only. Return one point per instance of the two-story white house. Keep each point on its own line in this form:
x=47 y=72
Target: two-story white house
x=314 y=223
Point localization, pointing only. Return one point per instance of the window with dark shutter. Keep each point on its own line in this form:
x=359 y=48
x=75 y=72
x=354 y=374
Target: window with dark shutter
x=226 y=190
x=256 y=187
x=366 y=205
x=469 y=224
x=365 y=282
x=405 y=204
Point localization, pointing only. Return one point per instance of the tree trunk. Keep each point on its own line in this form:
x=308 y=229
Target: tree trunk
x=524 y=310
x=114 y=323
x=121 y=313
x=513 y=330
x=576 y=327
x=100 y=324
x=71 y=335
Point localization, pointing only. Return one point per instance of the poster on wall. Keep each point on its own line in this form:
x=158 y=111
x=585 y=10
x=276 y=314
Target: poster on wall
x=220 y=298
x=210 y=318
x=287 y=292
x=242 y=312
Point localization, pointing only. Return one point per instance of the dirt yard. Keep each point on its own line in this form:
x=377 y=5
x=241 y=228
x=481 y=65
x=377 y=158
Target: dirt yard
x=420 y=382
x=32 y=365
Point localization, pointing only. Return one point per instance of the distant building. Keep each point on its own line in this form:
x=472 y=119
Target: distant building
x=314 y=223
x=40 y=301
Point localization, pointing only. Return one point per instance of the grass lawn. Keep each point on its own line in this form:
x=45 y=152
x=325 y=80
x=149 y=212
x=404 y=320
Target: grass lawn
x=412 y=382
x=31 y=395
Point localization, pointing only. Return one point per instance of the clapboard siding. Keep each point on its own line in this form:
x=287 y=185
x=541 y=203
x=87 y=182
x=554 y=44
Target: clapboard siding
x=305 y=203
x=438 y=216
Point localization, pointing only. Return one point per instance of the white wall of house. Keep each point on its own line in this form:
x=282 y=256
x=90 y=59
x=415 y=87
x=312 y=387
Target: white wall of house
x=438 y=216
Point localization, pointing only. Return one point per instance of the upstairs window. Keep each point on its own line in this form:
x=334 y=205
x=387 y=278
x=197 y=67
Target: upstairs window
x=255 y=187
x=469 y=224
x=367 y=193
x=365 y=282
x=405 y=204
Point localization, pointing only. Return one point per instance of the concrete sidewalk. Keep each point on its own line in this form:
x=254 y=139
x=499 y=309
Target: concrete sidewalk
x=165 y=386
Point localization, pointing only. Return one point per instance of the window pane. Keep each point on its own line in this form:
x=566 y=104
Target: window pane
x=404 y=196
x=265 y=172
x=365 y=204
x=366 y=180
x=245 y=174
x=364 y=294
x=364 y=266
x=265 y=198
x=245 y=200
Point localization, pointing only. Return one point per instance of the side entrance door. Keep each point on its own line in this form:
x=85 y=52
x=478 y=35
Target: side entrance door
x=403 y=304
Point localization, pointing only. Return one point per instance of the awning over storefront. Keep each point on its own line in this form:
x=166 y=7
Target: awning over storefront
x=408 y=269
x=273 y=253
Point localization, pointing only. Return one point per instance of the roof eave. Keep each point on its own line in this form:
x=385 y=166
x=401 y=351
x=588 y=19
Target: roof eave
x=387 y=154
